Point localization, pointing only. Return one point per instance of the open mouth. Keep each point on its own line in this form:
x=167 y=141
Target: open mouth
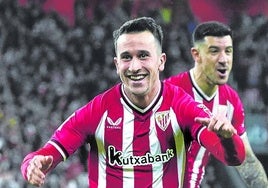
x=137 y=77
x=222 y=71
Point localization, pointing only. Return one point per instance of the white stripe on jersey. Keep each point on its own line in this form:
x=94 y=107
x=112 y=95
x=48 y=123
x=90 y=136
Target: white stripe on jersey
x=230 y=110
x=215 y=103
x=101 y=153
x=196 y=167
x=180 y=147
x=127 y=147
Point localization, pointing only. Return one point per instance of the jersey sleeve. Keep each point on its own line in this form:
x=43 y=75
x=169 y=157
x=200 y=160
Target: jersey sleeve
x=47 y=150
x=75 y=130
x=188 y=110
x=230 y=151
x=238 y=120
x=65 y=140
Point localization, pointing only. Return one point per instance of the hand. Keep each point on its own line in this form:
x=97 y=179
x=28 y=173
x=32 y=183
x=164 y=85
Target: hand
x=219 y=124
x=37 y=166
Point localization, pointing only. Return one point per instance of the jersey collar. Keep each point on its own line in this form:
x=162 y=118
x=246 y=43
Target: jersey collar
x=154 y=102
x=199 y=90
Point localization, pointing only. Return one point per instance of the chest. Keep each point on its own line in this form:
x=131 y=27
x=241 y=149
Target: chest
x=136 y=133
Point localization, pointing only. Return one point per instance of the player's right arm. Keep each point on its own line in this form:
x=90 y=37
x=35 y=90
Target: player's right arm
x=64 y=142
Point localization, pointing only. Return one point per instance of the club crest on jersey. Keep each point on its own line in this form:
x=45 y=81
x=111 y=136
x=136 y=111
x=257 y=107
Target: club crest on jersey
x=114 y=124
x=162 y=119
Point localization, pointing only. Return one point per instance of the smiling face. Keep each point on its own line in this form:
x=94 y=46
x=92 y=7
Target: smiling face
x=214 y=60
x=138 y=61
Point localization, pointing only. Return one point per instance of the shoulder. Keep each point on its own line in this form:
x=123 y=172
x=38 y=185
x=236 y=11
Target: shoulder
x=179 y=78
x=96 y=108
x=174 y=90
x=178 y=97
x=229 y=92
x=108 y=95
x=101 y=102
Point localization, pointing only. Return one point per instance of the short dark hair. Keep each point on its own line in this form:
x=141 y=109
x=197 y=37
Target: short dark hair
x=139 y=25
x=210 y=28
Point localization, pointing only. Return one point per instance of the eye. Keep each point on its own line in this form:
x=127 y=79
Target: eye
x=229 y=50
x=213 y=50
x=126 y=57
x=143 y=55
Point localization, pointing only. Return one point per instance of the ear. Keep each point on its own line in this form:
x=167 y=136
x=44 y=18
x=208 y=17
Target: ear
x=163 y=59
x=195 y=54
x=116 y=65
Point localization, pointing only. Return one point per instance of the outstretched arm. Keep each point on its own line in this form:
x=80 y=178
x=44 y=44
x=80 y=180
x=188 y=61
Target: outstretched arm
x=36 y=164
x=251 y=170
x=220 y=139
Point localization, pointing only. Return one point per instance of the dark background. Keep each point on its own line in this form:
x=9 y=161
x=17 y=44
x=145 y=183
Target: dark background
x=56 y=55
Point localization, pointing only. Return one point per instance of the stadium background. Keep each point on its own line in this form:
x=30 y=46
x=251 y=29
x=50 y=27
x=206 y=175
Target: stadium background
x=55 y=55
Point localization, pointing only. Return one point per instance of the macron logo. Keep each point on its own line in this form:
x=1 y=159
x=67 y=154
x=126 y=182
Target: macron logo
x=114 y=124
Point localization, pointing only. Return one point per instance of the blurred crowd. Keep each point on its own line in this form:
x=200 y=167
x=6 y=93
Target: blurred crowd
x=49 y=68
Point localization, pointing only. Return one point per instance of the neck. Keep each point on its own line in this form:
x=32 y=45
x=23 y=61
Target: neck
x=143 y=100
x=208 y=88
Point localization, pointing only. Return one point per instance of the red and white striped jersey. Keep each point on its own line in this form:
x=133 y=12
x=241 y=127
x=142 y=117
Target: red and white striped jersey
x=129 y=146
x=224 y=98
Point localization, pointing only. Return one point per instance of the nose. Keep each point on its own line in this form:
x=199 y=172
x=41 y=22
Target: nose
x=223 y=58
x=135 y=65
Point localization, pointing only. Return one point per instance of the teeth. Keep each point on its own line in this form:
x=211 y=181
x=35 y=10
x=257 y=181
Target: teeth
x=137 y=77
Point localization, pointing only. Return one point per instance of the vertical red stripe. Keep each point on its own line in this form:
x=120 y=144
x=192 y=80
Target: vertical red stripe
x=141 y=147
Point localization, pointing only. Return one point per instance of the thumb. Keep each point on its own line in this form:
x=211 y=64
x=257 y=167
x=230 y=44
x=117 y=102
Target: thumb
x=47 y=162
x=202 y=120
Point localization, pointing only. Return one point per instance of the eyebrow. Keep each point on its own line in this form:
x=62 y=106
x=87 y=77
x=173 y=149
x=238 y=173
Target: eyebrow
x=212 y=46
x=139 y=52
